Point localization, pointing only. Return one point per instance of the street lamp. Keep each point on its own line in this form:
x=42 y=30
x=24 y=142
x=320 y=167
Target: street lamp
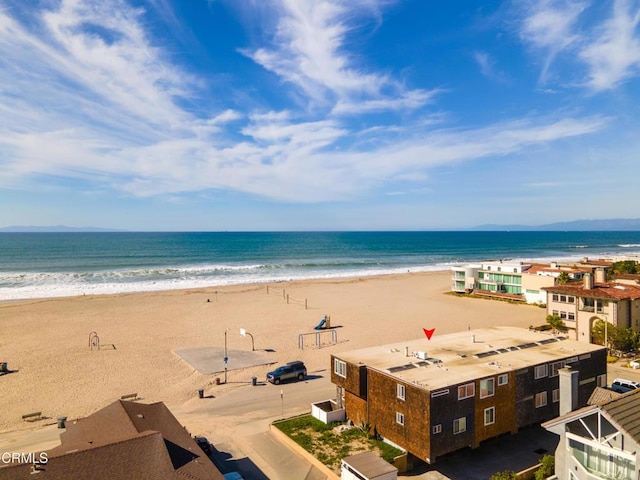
x=282 y=403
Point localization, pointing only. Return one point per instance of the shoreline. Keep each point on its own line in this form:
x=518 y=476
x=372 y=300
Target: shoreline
x=45 y=341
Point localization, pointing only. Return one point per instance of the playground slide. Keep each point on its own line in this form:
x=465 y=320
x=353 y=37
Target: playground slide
x=320 y=326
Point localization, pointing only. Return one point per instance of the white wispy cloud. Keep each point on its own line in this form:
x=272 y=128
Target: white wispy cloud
x=607 y=48
x=103 y=106
x=550 y=26
x=614 y=54
x=488 y=67
x=309 y=51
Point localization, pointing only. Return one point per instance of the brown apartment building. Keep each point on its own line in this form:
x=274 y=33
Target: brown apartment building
x=457 y=390
x=580 y=304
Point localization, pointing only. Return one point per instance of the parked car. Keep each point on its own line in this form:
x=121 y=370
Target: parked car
x=291 y=371
x=204 y=444
x=621 y=385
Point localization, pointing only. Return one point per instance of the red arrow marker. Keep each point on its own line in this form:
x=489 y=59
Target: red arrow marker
x=429 y=333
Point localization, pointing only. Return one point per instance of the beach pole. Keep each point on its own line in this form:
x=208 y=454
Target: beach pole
x=287 y=299
x=305 y=304
x=225 y=355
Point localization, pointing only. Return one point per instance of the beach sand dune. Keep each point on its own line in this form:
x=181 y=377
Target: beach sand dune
x=46 y=342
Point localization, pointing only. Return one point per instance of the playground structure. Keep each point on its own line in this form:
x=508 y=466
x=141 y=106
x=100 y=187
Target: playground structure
x=325 y=323
x=94 y=342
x=318 y=337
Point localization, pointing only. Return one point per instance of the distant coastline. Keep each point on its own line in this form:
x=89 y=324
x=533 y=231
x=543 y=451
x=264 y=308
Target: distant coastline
x=599 y=225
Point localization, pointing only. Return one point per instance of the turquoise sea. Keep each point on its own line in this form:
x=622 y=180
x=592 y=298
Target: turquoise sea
x=36 y=265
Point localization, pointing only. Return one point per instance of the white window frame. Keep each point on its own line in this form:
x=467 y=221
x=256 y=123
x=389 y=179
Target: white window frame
x=541 y=399
x=401 y=391
x=539 y=369
x=400 y=418
x=468 y=392
x=437 y=429
x=492 y=412
x=555 y=366
x=601 y=380
x=555 y=395
x=503 y=379
x=490 y=391
x=440 y=393
x=340 y=368
x=459 y=425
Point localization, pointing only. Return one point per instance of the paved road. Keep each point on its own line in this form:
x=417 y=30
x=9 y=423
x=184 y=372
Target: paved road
x=237 y=422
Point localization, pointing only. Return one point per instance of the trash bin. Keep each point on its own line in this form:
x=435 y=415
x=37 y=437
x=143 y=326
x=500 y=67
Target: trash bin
x=61 y=422
x=201 y=393
x=254 y=381
x=217 y=380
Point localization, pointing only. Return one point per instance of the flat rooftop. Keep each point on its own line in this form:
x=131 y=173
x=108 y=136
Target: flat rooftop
x=465 y=356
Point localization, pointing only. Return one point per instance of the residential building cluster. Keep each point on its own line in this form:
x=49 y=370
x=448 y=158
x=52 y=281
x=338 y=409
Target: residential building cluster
x=434 y=397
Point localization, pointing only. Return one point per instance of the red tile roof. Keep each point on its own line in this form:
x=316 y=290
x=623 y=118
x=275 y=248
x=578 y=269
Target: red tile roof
x=609 y=291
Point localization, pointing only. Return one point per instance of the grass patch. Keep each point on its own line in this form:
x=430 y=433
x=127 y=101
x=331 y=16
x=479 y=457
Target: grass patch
x=329 y=445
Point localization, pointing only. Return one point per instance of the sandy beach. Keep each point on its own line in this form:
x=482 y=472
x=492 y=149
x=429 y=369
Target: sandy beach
x=46 y=342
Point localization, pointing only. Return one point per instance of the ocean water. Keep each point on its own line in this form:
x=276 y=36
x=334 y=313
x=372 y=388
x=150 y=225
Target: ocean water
x=37 y=265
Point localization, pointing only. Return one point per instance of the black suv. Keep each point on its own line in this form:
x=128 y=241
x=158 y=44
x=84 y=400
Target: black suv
x=292 y=370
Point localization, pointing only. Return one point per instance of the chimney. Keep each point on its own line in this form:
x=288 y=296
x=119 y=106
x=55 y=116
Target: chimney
x=568 y=380
x=600 y=278
x=588 y=281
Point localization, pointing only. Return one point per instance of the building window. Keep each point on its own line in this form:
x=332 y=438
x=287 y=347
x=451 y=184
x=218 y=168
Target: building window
x=459 y=425
x=437 y=429
x=401 y=391
x=556 y=312
x=541 y=399
x=555 y=395
x=541 y=371
x=489 y=416
x=487 y=387
x=555 y=366
x=571 y=299
x=563 y=298
x=340 y=368
x=601 y=380
x=563 y=315
x=440 y=393
x=400 y=418
x=554 y=297
x=503 y=379
x=466 y=391
x=571 y=316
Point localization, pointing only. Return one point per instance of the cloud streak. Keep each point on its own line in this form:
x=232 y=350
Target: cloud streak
x=104 y=107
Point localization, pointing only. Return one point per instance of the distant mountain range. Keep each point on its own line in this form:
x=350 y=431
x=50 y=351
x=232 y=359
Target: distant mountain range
x=54 y=229
x=612 y=224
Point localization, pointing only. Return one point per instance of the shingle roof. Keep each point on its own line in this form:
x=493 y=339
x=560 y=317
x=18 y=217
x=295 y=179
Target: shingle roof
x=124 y=440
x=609 y=291
x=601 y=395
x=625 y=412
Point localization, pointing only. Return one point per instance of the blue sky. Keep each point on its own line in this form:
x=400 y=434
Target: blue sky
x=317 y=115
